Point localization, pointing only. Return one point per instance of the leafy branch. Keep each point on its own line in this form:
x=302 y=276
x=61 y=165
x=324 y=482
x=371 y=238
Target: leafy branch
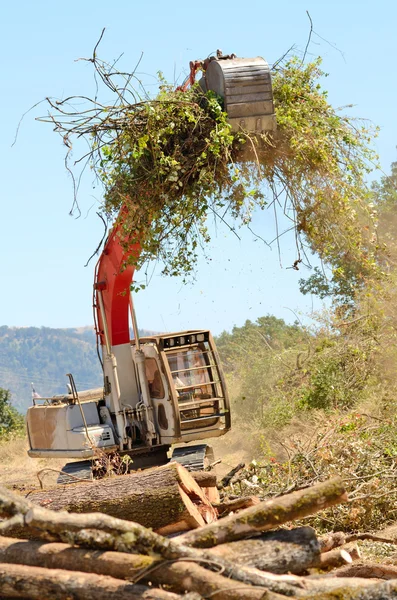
x=172 y=161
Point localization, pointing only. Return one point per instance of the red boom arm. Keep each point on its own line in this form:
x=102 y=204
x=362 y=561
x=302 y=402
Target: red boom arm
x=114 y=279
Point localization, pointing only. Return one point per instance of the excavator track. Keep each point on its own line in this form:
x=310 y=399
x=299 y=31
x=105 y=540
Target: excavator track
x=141 y=459
x=193 y=458
x=75 y=471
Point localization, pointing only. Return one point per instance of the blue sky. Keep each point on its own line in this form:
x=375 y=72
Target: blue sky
x=43 y=250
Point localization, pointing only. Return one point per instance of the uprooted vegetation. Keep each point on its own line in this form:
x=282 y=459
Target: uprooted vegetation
x=172 y=162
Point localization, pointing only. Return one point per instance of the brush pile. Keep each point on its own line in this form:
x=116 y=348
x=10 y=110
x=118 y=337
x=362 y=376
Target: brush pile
x=359 y=447
x=172 y=162
x=245 y=555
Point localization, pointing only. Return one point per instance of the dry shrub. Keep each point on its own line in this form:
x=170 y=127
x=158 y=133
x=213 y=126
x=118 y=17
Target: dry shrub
x=360 y=448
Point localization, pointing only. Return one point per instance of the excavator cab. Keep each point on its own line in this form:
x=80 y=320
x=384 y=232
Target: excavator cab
x=197 y=400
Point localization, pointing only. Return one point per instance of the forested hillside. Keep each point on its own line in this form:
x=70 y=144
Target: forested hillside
x=44 y=356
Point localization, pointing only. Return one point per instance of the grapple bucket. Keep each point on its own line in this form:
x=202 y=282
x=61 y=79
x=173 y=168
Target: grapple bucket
x=246 y=87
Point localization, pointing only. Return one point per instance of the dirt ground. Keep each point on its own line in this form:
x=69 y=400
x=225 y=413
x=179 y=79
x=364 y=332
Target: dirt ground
x=19 y=471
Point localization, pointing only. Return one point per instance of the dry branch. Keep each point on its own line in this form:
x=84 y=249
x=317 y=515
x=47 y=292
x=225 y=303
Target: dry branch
x=372 y=537
x=20 y=581
x=181 y=576
x=367 y=570
x=331 y=540
x=268 y=514
x=229 y=476
x=228 y=506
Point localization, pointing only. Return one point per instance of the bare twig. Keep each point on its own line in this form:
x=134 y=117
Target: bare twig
x=309 y=38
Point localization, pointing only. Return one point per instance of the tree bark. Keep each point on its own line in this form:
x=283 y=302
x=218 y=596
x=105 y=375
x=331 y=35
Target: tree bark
x=268 y=515
x=367 y=570
x=20 y=581
x=283 y=551
x=181 y=576
x=204 y=478
x=165 y=498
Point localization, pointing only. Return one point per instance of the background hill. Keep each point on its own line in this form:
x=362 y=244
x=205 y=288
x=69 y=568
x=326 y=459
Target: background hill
x=44 y=356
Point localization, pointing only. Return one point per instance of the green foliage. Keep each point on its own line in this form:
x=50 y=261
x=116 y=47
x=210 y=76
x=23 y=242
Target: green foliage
x=171 y=163
x=167 y=168
x=289 y=370
x=259 y=355
x=385 y=191
x=11 y=422
x=329 y=158
x=337 y=372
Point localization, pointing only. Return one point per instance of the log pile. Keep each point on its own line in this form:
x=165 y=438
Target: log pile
x=244 y=555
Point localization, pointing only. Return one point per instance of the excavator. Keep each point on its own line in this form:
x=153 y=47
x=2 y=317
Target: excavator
x=161 y=390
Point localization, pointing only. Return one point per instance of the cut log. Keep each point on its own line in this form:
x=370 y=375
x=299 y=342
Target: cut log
x=180 y=577
x=268 y=515
x=56 y=555
x=104 y=532
x=164 y=498
x=109 y=533
x=337 y=557
x=353 y=549
x=20 y=581
x=212 y=493
x=283 y=551
x=228 y=506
